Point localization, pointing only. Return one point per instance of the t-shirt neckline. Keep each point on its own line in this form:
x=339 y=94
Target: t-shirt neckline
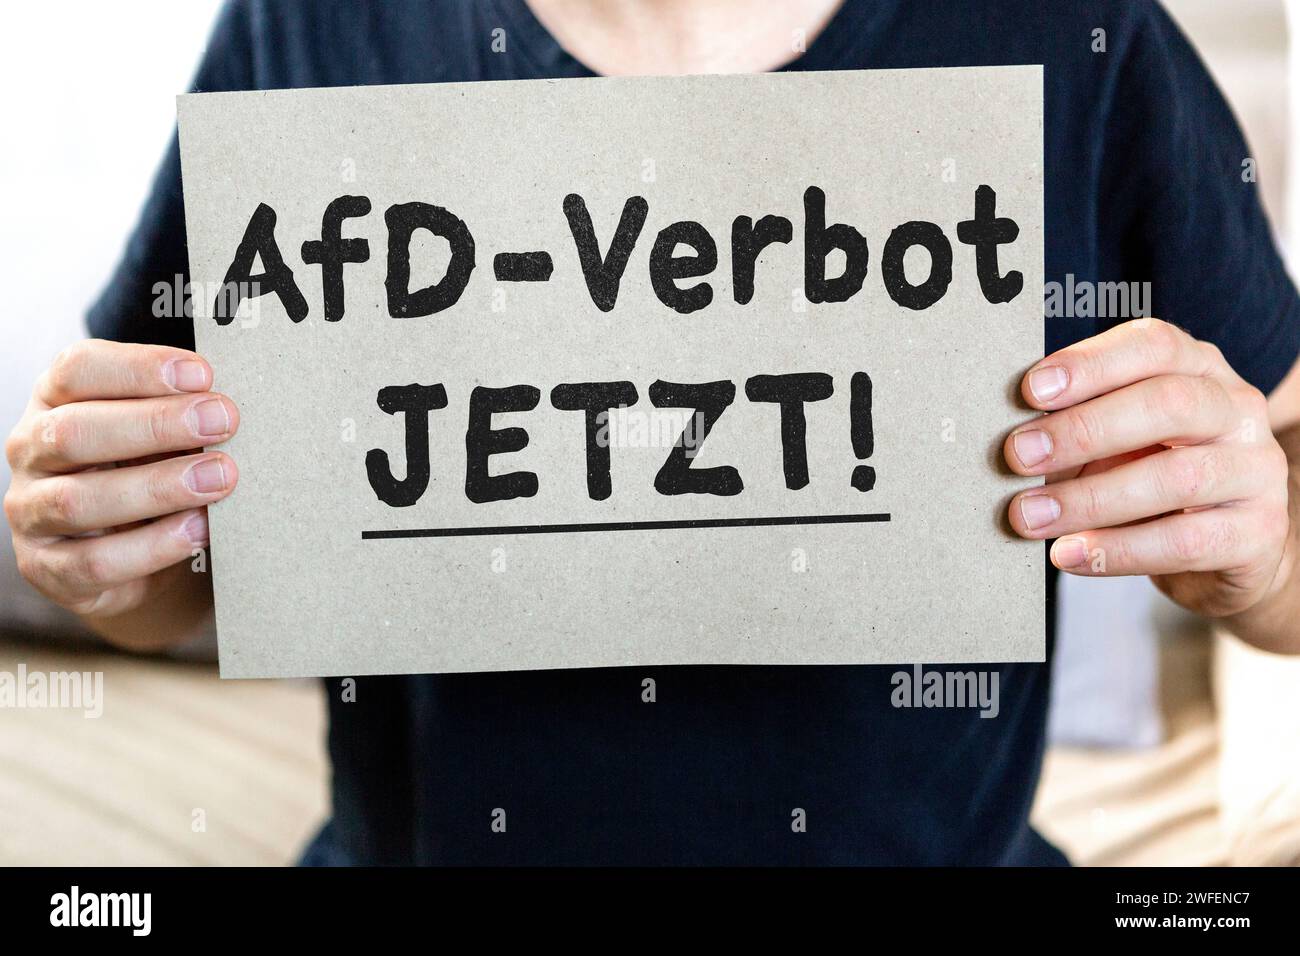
x=832 y=48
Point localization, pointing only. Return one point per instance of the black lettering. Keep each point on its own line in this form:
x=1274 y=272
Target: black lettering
x=676 y=477
x=819 y=239
x=603 y=275
x=259 y=242
x=522 y=266
x=402 y=221
x=861 y=430
x=331 y=250
x=986 y=232
x=482 y=441
x=791 y=392
x=916 y=233
x=747 y=241
x=416 y=401
x=666 y=269
x=596 y=399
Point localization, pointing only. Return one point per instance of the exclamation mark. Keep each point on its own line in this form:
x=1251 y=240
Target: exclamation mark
x=864 y=440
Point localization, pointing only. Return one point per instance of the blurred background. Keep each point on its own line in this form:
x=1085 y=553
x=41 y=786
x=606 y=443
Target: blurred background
x=1170 y=744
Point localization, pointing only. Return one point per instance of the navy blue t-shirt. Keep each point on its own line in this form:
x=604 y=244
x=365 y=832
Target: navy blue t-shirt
x=1144 y=182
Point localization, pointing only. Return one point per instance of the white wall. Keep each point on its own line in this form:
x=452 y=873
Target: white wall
x=87 y=110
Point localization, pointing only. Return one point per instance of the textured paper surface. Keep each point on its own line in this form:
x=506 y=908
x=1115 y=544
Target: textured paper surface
x=299 y=591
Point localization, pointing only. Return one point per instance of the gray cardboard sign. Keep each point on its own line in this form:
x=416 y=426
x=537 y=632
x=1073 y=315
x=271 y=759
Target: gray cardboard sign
x=875 y=536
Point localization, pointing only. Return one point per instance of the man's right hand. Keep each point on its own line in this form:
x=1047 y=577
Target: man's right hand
x=108 y=488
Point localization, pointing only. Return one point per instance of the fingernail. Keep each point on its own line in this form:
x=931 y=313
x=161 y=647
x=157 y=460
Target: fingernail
x=187 y=375
x=1031 y=446
x=1047 y=382
x=211 y=418
x=1039 y=510
x=196 y=528
x=206 y=477
x=1070 y=552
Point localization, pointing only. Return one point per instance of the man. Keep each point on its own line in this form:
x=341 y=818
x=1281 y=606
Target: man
x=1158 y=441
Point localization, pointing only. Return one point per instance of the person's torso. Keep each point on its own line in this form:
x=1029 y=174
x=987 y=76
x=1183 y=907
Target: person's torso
x=578 y=766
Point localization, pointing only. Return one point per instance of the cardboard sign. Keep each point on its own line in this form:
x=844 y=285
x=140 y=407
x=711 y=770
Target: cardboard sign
x=699 y=370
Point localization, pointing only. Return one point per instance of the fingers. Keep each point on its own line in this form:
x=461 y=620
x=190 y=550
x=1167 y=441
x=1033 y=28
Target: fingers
x=1178 y=409
x=1160 y=461
x=1187 y=477
x=1214 y=539
x=1121 y=356
x=93 y=500
x=103 y=403
x=97 y=369
x=77 y=570
x=75 y=436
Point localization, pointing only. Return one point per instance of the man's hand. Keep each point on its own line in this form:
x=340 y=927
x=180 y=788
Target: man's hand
x=1160 y=461
x=107 y=491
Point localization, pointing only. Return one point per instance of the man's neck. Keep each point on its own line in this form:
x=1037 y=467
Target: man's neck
x=639 y=37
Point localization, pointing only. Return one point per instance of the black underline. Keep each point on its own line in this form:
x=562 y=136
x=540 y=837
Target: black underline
x=623 y=526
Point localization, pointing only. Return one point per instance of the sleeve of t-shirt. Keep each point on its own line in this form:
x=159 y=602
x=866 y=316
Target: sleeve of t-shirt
x=139 y=304
x=1179 y=198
